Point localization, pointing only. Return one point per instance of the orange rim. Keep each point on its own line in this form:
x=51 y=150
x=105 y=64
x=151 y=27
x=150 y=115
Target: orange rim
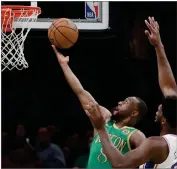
x=10 y=12
x=18 y=9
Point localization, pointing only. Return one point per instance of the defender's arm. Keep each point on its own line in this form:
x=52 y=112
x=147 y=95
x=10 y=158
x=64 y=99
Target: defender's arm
x=166 y=79
x=145 y=152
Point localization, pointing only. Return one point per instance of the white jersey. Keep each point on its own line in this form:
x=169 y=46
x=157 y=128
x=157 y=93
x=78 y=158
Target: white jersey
x=171 y=161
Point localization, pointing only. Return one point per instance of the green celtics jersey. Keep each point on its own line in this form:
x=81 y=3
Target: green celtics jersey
x=120 y=139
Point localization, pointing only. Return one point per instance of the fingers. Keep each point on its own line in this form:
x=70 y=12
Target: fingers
x=88 y=114
x=67 y=57
x=150 y=20
x=157 y=25
x=54 y=48
x=88 y=108
x=92 y=108
x=56 y=51
x=150 y=27
x=97 y=107
x=152 y=24
x=147 y=33
x=153 y=20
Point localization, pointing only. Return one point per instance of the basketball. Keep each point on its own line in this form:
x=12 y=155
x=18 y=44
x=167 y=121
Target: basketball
x=63 y=33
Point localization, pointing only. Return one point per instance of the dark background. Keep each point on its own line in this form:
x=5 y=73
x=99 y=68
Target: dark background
x=106 y=64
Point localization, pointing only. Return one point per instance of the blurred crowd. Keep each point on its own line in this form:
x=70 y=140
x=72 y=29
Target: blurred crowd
x=44 y=149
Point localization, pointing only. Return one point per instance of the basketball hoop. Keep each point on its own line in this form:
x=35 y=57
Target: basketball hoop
x=12 y=41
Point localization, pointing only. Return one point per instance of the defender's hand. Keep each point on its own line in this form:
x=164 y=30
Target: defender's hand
x=153 y=33
x=96 y=117
x=62 y=59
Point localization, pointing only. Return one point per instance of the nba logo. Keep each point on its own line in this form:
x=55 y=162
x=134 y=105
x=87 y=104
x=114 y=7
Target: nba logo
x=92 y=9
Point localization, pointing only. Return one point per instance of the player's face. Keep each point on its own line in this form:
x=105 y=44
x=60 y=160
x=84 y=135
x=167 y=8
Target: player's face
x=125 y=108
x=159 y=114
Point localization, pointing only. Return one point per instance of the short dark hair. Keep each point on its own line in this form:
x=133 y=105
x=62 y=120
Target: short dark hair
x=142 y=108
x=169 y=106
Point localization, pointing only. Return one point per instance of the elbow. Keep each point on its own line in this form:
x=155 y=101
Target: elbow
x=124 y=165
x=169 y=92
x=118 y=165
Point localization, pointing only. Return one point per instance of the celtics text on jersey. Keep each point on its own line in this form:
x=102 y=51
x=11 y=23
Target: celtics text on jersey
x=119 y=137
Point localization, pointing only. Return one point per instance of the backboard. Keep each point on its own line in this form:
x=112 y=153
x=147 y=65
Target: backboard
x=90 y=15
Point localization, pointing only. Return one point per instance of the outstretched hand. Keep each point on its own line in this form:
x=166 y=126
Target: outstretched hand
x=62 y=59
x=153 y=32
x=95 y=115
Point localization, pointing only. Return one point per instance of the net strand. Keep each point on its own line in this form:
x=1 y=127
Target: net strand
x=12 y=44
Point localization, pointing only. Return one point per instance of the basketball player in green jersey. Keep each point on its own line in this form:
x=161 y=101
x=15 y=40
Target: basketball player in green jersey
x=157 y=151
x=126 y=113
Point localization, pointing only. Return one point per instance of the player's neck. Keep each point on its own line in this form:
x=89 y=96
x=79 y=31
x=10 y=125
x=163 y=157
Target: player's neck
x=122 y=123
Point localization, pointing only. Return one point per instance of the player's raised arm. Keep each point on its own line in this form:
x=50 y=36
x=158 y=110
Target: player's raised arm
x=166 y=79
x=84 y=96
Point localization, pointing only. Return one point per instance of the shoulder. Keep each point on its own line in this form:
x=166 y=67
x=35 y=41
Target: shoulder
x=138 y=134
x=157 y=143
x=136 y=138
x=106 y=113
x=158 y=147
x=151 y=144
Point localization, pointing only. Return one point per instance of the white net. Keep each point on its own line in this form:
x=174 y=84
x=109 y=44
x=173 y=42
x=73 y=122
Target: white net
x=12 y=42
